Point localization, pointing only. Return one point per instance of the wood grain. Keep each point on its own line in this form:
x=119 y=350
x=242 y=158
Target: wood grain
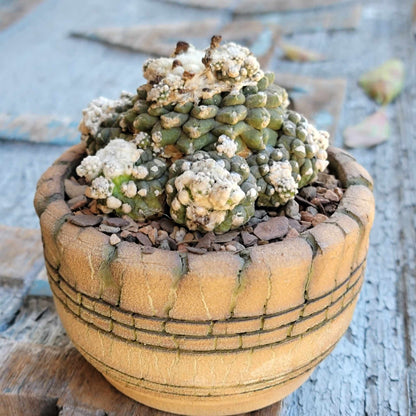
x=43 y=380
x=19 y=250
x=249 y=7
x=372 y=370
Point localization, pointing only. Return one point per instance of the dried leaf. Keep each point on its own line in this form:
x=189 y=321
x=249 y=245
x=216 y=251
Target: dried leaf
x=372 y=131
x=298 y=54
x=384 y=84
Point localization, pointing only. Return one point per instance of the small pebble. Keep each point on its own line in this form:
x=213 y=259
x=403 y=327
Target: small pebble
x=330 y=208
x=108 y=229
x=248 y=239
x=226 y=237
x=85 y=220
x=319 y=200
x=305 y=225
x=155 y=224
x=93 y=206
x=295 y=224
x=178 y=234
x=230 y=247
x=318 y=219
x=114 y=239
x=132 y=226
x=77 y=202
x=339 y=192
x=307 y=216
x=331 y=196
x=292 y=209
x=143 y=239
x=116 y=222
x=195 y=250
x=125 y=234
x=330 y=181
x=85 y=211
x=206 y=241
x=254 y=221
x=164 y=245
x=166 y=224
x=146 y=229
x=292 y=233
x=152 y=234
x=182 y=247
x=238 y=246
x=312 y=211
x=73 y=188
x=162 y=235
x=131 y=238
x=172 y=243
x=308 y=192
x=260 y=213
x=273 y=228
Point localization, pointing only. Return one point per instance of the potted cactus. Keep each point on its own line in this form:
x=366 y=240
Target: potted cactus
x=204 y=146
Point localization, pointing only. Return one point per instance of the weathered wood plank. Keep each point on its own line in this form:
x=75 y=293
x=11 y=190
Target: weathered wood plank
x=18 y=180
x=44 y=380
x=372 y=370
x=39 y=128
x=21 y=261
x=249 y=7
x=367 y=373
x=19 y=250
x=10 y=11
x=407 y=252
x=160 y=39
x=320 y=100
x=344 y=17
x=12 y=296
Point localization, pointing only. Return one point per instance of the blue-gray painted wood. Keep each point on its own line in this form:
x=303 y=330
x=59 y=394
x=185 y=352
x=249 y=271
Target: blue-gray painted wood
x=372 y=370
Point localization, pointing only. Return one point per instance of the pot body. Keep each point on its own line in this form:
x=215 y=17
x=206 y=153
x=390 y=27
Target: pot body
x=213 y=334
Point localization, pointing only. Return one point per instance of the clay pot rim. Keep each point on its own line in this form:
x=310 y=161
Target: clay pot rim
x=343 y=165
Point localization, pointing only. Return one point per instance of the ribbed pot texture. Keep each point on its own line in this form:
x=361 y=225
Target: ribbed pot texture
x=212 y=334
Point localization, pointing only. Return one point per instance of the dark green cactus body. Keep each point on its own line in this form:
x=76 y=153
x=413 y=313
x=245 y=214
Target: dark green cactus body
x=257 y=150
x=150 y=205
x=274 y=177
x=210 y=192
x=247 y=116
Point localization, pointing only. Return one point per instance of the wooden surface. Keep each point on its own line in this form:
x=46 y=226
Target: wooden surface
x=372 y=371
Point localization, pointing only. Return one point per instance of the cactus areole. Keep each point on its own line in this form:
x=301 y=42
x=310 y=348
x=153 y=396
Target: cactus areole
x=206 y=140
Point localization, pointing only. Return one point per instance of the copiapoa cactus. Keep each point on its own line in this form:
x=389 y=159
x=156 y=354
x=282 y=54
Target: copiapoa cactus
x=206 y=139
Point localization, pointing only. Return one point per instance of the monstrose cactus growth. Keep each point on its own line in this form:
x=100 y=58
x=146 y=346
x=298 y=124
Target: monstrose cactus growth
x=205 y=140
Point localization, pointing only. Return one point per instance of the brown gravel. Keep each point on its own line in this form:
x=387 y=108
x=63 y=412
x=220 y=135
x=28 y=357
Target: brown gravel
x=85 y=220
x=73 y=188
x=77 y=202
x=114 y=239
x=276 y=227
x=313 y=205
x=109 y=229
x=116 y=222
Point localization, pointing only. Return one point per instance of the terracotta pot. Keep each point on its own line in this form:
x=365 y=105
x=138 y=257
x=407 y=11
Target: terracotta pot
x=212 y=334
